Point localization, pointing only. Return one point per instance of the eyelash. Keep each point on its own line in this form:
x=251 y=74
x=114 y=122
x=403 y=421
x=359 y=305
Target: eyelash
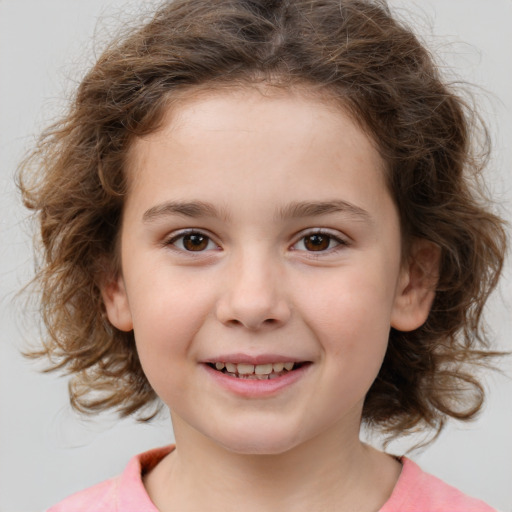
x=172 y=241
x=331 y=237
x=326 y=235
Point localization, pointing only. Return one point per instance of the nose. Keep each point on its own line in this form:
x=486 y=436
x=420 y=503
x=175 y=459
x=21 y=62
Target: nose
x=253 y=295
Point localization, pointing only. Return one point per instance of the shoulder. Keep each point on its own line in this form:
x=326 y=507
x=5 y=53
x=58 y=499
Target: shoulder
x=418 y=491
x=99 y=498
x=125 y=493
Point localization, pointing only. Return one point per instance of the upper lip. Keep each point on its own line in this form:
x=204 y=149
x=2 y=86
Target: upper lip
x=253 y=359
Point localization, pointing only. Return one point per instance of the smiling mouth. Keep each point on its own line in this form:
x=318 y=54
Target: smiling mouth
x=255 y=372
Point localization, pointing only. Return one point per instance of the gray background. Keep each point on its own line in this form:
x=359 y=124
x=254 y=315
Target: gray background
x=46 y=451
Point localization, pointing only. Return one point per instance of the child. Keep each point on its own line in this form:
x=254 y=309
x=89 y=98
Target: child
x=264 y=214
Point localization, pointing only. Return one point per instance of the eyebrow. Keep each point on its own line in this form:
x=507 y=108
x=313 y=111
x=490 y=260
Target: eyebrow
x=316 y=208
x=194 y=209
x=197 y=209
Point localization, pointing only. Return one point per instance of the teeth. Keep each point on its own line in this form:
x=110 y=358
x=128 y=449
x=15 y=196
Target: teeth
x=262 y=371
x=278 y=367
x=231 y=368
x=245 y=369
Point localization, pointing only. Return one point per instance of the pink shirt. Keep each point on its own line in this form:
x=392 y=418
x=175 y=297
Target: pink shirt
x=415 y=491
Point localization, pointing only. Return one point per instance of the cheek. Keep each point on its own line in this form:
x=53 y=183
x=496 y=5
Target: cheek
x=169 y=298
x=166 y=318
x=353 y=307
x=351 y=320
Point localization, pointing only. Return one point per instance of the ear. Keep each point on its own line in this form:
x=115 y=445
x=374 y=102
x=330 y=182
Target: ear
x=115 y=298
x=416 y=286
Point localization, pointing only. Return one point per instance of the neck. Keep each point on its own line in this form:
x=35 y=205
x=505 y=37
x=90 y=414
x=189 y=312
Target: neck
x=334 y=471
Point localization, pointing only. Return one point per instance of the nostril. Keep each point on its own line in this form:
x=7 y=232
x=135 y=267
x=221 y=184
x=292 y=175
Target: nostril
x=268 y=322
x=251 y=313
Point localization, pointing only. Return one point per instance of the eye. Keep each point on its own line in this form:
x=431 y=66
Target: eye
x=192 y=241
x=318 y=242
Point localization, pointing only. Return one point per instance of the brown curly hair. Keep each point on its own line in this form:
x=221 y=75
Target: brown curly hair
x=354 y=50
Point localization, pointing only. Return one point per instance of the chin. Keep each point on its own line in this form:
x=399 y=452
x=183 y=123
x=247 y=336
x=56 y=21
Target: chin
x=258 y=447
x=261 y=442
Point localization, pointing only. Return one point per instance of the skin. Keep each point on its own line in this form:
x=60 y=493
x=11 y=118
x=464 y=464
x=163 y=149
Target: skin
x=258 y=286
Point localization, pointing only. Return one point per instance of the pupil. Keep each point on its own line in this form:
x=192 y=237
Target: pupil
x=317 y=242
x=195 y=242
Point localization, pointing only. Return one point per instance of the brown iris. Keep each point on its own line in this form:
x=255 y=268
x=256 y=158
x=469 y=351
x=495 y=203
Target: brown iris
x=317 y=242
x=195 y=242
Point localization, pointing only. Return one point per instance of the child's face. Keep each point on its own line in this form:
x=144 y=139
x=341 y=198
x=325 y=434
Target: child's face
x=259 y=230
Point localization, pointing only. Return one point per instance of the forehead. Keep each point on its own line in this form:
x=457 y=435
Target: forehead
x=256 y=159
x=270 y=119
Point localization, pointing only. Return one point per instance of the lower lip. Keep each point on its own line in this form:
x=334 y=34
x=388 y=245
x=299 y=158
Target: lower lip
x=254 y=388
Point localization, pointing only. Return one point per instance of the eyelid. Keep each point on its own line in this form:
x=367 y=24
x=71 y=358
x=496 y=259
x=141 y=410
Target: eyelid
x=169 y=240
x=341 y=239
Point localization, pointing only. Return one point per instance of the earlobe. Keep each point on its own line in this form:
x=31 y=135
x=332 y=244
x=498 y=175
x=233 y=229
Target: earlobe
x=116 y=303
x=416 y=286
